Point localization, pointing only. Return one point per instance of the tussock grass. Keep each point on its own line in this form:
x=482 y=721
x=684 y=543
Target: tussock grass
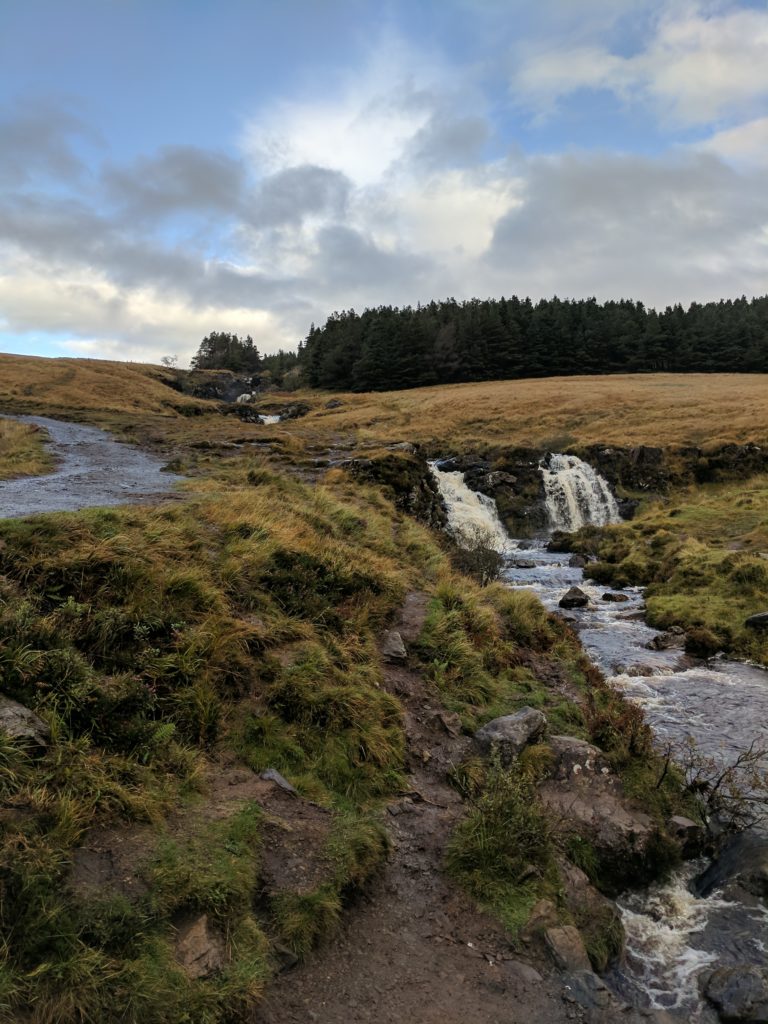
x=22 y=450
x=153 y=640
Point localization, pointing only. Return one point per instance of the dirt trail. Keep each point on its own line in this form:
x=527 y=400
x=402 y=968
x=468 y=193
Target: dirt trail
x=415 y=949
x=93 y=470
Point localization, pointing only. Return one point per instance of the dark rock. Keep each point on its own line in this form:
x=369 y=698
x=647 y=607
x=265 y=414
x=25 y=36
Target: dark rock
x=640 y=670
x=499 y=479
x=403 y=446
x=627 y=508
x=739 y=993
x=525 y=545
x=524 y=564
x=273 y=775
x=577 y=562
x=743 y=862
x=511 y=733
x=688 y=833
x=602 y=1006
x=22 y=724
x=293 y=412
x=673 y=637
x=199 y=950
x=334 y=404
x=567 y=949
x=574 y=598
x=392 y=647
x=597 y=918
x=759 y=621
x=615 y=598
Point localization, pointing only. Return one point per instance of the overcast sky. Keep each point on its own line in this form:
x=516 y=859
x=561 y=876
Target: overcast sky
x=172 y=167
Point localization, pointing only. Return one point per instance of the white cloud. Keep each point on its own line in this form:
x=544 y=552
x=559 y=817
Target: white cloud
x=699 y=66
x=124 y=323
x=745 y=145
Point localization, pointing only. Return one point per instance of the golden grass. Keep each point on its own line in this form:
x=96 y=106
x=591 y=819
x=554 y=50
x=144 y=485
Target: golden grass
x=627 y=409
x=22 y=450
x=32 y=384
x=707 y=410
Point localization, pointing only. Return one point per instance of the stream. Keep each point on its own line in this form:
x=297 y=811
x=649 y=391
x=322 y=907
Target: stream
x=672 y=936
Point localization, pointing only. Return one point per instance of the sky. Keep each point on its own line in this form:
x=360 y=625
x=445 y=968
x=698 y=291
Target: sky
x=173 y=167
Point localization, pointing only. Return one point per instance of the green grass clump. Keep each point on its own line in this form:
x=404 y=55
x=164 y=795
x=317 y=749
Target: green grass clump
x=701 y=557
x=502 y=852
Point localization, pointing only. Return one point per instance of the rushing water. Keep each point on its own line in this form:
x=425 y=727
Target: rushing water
x=469 y=512
x=672 y=936
x=576 y=494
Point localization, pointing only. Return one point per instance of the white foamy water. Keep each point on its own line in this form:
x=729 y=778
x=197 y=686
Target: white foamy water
x=270 y=419
x=469 y=511
x=576 y=495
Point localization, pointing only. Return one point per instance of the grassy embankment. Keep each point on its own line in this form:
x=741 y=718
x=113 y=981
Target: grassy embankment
x=159 y=644
x=22 y=450
x=703 y=556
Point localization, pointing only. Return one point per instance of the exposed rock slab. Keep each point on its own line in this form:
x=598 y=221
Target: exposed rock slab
x=739 y=993
x=199 y=950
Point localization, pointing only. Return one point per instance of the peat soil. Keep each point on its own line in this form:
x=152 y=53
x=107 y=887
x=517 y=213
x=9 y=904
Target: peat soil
x=92 y=470
x=414 y=948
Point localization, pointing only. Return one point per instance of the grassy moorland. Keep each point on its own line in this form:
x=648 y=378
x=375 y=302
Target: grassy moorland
x=22 y=450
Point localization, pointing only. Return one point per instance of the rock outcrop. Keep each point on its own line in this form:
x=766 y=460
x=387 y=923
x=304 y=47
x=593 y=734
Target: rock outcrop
x=574 y=598
x=740 y=993
x=510 y=734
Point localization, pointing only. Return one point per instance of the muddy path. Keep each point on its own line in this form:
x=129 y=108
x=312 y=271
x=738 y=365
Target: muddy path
x=92 y=470
x=414 y=947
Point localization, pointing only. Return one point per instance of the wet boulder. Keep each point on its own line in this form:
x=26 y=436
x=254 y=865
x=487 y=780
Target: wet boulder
x=22 y=724
x=739 y=993
x=602 y=1006
x=510 y=734
x=574 y=598
x=577 y=562
x=615 y=598
x=742 y=863
x=690 y=835
x=673 y=637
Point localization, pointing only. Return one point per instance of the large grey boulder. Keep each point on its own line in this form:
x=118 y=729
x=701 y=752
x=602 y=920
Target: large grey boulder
x=510 y=734
x=759 y=621
x=739 y=993
x=22 y=724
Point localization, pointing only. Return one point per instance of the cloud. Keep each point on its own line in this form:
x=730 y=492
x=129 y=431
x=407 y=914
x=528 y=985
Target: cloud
x=745 y=145
x=673 y=229
x=699 y=65
x=177 y=178
x=36 y=139
x=289 y=196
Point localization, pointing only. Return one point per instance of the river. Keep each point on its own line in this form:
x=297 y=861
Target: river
x=672 y=936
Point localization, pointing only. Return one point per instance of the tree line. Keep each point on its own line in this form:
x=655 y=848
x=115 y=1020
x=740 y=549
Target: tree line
x=449 y=342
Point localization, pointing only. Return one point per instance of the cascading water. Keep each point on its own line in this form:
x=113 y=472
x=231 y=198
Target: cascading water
x=469 y=512
x=576 y=494
x=673 y=937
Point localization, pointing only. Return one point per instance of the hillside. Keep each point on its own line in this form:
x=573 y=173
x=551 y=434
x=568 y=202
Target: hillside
x=707 y=410
x=228 y=747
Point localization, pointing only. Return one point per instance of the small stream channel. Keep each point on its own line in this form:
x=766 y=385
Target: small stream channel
x=672 y=936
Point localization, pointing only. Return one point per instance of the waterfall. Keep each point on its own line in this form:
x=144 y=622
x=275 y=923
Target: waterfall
x=469 y=511
x=576 y=494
